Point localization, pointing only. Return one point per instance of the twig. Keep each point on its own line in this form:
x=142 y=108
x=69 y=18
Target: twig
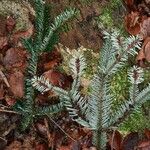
x=13 y=126
x=48 y=133
x=62 y=129
x=3 y=139
x=112 y=140
x=4 y=78
x=9 y=111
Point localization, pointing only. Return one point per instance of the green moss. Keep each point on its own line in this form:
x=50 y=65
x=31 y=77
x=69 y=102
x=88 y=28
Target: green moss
x=119 y=87
x=108 y=15
x=136 y=123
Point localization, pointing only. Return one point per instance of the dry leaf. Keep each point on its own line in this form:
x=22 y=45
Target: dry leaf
x=144 y=53
x=145 y=145
x=15 y=57
x=3 y=42
x=10 y=101
x=41 y=147
x=1 y=92
x=41 y=128
x=147 y=133
x=129 y=3
x=51 y=64
x=132 y=23
x=10 y=23
x=58 y=79
x=15 y=145
x=16 y=82
x=146 y=48
x=130 y=141
x=91 y=148
x=115 y=140
x=145 y=28
x=21 y=34
x=64 y=148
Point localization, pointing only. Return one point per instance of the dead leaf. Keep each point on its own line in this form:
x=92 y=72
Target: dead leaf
x=15 y=57
x=21 y=34
x=132 y=23
x=3 y=143
x=115 y=140
x=145 y=27
x=10 y=101
x=147 y=133
x=10 y=23
x=16 y=82
x=145 y=145
x=51 y=64
x=1 y=92
x=91 y=148
x=58 y=79
x=15 y=145
x=3 y=42
x=144 y=53
x=41 y=147
x=41 y=128
x=27 y=143
x=130 y=141
x=140 y=56
x=146 y=48
x=3 y=31
x=50 y=60
x=64 y=148
x=129 y=3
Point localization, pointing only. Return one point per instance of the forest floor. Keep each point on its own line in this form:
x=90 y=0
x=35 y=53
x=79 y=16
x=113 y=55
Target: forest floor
x=61 y=133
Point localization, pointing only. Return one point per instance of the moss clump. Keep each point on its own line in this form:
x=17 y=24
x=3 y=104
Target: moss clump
x=108 y=15
x=139 y=120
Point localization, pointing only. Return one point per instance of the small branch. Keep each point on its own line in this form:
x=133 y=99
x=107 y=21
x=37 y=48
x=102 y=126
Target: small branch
x=61 y=129
x=3 y=139
x=9 y=111
x=112 y=140
x=48 y=133
x=4 y=78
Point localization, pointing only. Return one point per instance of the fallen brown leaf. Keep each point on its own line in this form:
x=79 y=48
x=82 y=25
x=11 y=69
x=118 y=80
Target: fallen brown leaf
x=41 y=129
x=58 y=79
x=129 y=3
x=144 y=53
x=15 y=57
x=3 y=42
x=145 y=145
x=41 y=147
x=115 y=140
x=15 y=38
x=147 y=133
x=15 y=145
x=91 y=148
x=10 y=23
x=51 y=64
x=132 y=23
x=16 y=81
x=10 y=101
x=1 y=92
x=145 y=27
x=130 y=141
x=64 y=148
x=146 y=48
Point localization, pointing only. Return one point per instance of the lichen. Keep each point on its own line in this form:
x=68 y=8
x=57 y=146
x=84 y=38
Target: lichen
x=19 y=10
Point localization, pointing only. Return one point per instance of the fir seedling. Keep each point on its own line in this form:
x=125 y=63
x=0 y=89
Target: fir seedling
x=95 y=110
x=46 y=35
